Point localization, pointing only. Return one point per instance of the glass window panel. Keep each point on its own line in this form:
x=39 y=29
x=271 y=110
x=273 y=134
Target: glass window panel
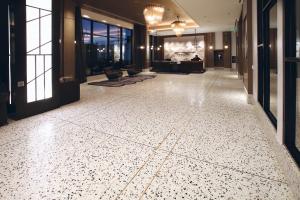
x=31 y=92
x=47 y=48
x=39 y=65
x=30 y=68
x=40 y=88
x=48 y=62
x=44 y=4
x=114 y=31
x=33 y=28
x=114 y=50
x=45 y=13
x=127 y=47
x=34 y=52
x=48 y=84
x=100 y=40
x=273 y=60
x=46 y=29
x=100 y=29
x=86 y=26
x=32 y=13
x=86 y=39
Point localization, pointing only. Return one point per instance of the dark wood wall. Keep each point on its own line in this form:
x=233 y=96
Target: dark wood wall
x=228 y=51
x=209 y=53
x=239 y=41
x=245 y=46
x=140 y=39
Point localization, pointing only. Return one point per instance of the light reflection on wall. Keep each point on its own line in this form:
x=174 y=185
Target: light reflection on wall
x=298 y=49
x=183 y=48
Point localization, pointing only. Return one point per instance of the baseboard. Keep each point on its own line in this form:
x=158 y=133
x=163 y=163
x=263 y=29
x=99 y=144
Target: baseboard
x=285 y=160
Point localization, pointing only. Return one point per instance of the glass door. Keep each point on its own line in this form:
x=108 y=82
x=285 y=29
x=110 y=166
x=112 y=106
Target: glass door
x=268 y=65
x=292 y=78
x=39 y=50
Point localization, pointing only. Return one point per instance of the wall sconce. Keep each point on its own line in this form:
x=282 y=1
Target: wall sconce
x=142 y=47
x=226 y=46
x=158 y=48
x=75 y=42
x=211 y=47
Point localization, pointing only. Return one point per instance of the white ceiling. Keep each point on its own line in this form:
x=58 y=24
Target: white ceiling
x=212 y=15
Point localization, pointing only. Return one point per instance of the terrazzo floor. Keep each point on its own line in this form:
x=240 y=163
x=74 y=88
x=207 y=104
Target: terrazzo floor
x=172 y=137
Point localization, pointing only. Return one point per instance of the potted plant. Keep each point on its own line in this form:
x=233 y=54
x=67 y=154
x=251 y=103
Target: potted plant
x=3 y=104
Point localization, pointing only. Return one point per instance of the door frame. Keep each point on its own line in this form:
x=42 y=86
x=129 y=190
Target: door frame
x=264 y=61
x=291 y=62
x=22 y=108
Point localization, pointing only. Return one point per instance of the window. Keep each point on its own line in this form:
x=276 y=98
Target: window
x=102 y=46
x=127 y=47
x=114 y=45
x=86 y=27
x=99 y=47
x=39 y=49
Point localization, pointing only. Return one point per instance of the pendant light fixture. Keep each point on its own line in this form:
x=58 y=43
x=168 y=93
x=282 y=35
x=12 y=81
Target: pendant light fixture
x=153 y=14
x=178 y=27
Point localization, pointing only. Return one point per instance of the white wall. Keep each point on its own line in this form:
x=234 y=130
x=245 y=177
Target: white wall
x=219 y=40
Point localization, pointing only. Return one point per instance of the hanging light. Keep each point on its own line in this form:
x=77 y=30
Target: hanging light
x=178 y=27
x=153 y=13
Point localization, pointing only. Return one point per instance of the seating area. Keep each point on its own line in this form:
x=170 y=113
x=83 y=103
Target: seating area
x=116 y=73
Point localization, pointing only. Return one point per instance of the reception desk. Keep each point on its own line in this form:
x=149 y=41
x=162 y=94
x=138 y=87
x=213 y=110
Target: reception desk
x=182 y=67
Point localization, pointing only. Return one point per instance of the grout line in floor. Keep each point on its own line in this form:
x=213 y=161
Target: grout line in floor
x=178 y=139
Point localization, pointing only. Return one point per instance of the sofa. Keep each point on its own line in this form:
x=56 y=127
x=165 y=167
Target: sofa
x=113 y=74
x=132 y=70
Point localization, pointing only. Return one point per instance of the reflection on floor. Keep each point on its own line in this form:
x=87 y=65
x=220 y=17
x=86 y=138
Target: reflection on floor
x=183 y=137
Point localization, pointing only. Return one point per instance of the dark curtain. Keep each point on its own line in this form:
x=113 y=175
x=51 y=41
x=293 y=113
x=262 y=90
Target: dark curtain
x=80 y=67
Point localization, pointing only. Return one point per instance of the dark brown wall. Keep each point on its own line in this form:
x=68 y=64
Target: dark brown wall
x=139 y=39
x=209 y=53
x=68 y=39
x=245 y=47
x=227 y=52
x=239 y=41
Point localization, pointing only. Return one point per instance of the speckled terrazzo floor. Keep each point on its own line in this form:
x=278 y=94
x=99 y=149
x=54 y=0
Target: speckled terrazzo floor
x=172 y=137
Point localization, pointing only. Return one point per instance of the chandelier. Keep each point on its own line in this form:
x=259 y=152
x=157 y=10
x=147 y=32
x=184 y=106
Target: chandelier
x=178 y=27
x=154 y=13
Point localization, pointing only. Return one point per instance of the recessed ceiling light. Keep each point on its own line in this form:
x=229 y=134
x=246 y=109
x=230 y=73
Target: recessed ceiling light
x=85 y=16
x=118 y=25
x=104 y=21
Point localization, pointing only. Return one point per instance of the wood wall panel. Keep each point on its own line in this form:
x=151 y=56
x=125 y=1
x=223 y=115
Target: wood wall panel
x=227 y=52
x=209 y=53
x=68 y=39
x=139 y=39
x=245 y=46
